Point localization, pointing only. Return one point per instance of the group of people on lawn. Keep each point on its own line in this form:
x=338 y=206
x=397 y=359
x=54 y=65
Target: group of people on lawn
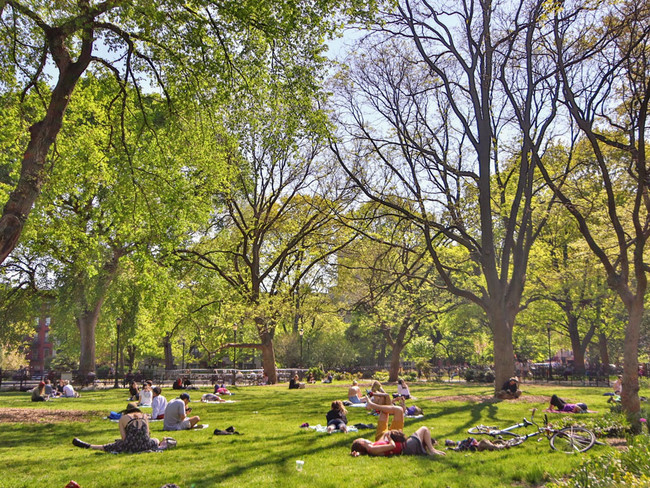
x=45 y=391
x=135 y=435
x=389 y=437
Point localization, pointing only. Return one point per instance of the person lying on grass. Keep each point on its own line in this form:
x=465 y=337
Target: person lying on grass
x=394 y=442
x=563 y=406
x=134 y=430
x=211 y=397
x=336 y=417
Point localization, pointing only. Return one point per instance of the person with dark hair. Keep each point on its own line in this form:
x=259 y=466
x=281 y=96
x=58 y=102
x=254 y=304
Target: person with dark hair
x=395 y=442
x=562 y=406
x=134 y=432
x=510 y=389
x=158 y=404
x=336 y=417
x=134 y=392
x=402 y=390
x=178 y=384
x=176 y=414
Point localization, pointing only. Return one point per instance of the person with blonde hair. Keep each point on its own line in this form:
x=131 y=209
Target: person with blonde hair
x=354 y=393
x=38 y=393
x=336 y=417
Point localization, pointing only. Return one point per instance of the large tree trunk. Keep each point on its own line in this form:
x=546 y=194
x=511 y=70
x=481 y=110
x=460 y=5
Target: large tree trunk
x=86 y=324
x=604 y=352
x=87 y=321
x=576 y=346
x=167 y=350
x=504 y=353
x=43 y=134
x=268 y=357
x=630 y=392
x=393 y=372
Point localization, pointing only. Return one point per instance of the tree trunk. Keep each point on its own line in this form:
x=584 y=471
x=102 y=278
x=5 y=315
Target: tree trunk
x=393 y=372
x=42 y=135
x=86 y=323
x=576 y=345
x=504 y=353
x=630 y=392
x=268 y=357
x=604 y=352
x=167 y=351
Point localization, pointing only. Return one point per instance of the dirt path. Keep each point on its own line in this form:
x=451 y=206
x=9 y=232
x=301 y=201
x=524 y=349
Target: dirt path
x=35 y=415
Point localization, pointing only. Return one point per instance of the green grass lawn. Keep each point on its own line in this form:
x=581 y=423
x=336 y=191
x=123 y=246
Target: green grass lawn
x=41 y=454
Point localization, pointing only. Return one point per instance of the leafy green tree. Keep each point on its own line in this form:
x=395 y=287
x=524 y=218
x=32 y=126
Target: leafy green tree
x=279 y=225
x=603 y=65
x=47 y=47
x=443 y=116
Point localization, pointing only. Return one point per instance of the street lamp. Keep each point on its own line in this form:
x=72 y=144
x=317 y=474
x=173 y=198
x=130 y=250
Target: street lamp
x=118 y=322
x=550 y=368
x=301 y=331
x=234 y=349
x=183 y=362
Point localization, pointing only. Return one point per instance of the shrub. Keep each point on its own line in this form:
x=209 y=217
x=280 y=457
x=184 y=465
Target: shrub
x=608 y=425
x=614 y=470
x=381 y=376
x=317 y=372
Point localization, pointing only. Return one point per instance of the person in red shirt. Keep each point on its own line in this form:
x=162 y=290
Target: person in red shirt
x=393 y=442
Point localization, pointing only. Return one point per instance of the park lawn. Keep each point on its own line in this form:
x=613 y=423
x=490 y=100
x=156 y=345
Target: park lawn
x=41 y=454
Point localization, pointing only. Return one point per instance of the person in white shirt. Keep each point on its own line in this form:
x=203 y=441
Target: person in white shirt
x=403 y=389
x=68 y=391
x=146 y=395
x=158 y=404
x=175 y=414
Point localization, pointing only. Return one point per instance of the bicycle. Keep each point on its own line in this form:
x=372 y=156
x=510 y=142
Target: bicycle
x=568 y=440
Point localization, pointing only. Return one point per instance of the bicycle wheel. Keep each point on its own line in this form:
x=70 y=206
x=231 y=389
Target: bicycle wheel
x=572 y=439
x=481 y=429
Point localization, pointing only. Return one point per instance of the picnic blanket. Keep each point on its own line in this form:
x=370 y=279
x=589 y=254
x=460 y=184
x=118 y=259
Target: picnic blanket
x=323 y=428
x=357 y=405
x=414 y=416
x=224 y=401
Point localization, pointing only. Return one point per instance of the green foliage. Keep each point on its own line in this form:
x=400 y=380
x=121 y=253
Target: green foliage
x=607 y=425
x=616 y=469
x=479 y=375
x=317 y=373
x=63 y=362
x=381 y=376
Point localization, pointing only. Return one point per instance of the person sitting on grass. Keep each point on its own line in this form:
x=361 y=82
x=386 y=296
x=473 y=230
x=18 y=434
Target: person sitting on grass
x=38 y=393
x=402 y=390
x=134 y=432
x=176 y=414
x=68 y=390
x=146 y=395
x=510 y=390
x=134 y=392
x=336 y=417
x=50 y=391
x=354 y=393
x=395 y=442
x=563 y=406
x=294 y=383
x=158 y=404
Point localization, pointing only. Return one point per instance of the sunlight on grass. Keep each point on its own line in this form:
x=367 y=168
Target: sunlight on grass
x=41 y=454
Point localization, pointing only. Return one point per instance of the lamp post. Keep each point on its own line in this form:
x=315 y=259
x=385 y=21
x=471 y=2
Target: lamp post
x=301 y=331
x=234 y=349
x=118 y=322
x=550 y=368
x=183 y=362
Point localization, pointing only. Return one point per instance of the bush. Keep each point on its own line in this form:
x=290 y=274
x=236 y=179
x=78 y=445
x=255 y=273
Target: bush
x=479 y=375
x=608 y=425
x=316 y=372
x=381 y=376
x=614 y=470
